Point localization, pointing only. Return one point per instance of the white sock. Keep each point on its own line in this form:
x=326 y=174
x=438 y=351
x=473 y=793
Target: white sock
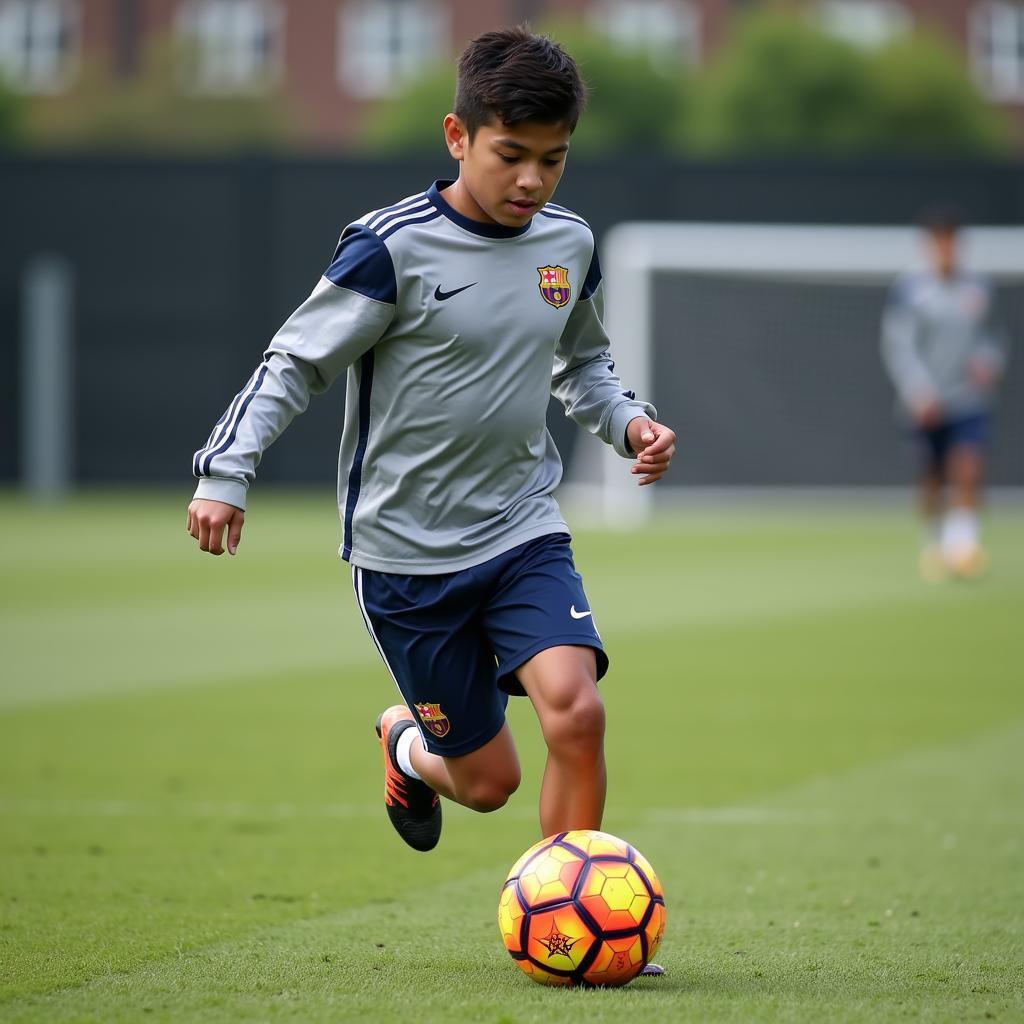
x=405 y=741
x=959 y=531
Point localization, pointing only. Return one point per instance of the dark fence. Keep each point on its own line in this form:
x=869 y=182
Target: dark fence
x=184 y=269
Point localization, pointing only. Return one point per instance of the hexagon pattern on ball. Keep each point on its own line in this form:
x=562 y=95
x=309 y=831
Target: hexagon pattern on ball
x=582 y=908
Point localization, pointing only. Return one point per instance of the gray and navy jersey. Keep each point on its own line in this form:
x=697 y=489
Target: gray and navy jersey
x=932 y=329
x=453 y=334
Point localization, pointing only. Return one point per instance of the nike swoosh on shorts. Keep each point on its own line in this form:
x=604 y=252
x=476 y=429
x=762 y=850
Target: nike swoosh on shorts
x=578 y=615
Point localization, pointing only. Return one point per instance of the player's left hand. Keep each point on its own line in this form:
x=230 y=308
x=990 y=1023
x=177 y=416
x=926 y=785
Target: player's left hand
x=983 y=373
x=654 y=444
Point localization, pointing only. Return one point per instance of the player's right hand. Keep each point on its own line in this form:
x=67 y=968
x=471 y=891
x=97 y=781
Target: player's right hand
x=206 y=522
x=928 y=413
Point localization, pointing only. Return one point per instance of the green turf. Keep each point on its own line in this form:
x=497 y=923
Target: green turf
x=820 y=754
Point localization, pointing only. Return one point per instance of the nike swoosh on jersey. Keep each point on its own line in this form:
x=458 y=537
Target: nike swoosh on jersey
x=578 y=615
x=441 y=296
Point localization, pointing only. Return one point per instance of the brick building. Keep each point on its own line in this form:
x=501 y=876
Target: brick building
x=332 y=57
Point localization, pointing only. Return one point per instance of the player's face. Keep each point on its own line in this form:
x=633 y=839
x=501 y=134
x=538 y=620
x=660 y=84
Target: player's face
x=943 y=250
x=507 y=173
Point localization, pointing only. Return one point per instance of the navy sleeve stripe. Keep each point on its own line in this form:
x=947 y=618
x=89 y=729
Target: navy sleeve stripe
x=211 y=440
x=375 y=219
x=363 y=264
x=205 y=457
x=355 y=475
x=593 y=278
x=221 y=427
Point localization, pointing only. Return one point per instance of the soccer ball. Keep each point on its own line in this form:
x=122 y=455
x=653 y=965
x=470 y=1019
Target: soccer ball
x=582 y=908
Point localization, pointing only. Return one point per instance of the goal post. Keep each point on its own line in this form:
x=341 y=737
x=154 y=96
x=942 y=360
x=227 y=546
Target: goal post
x=632 y=254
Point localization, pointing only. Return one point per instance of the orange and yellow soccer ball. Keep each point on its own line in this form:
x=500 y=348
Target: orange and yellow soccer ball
x=582 y=908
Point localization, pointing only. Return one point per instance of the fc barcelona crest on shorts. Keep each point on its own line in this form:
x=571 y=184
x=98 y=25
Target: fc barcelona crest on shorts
x=433 y=719
x=554 y=285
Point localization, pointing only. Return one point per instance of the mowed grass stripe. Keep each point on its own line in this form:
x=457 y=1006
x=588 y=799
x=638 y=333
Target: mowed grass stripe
x=306 y=635
x=779 y=925
x=147 y=611
x=714 y=720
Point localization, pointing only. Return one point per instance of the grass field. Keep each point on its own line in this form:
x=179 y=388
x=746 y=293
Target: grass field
x=822 y=756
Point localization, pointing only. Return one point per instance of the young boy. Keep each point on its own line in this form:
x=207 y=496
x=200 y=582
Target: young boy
x=944 y=360
x=456 y=312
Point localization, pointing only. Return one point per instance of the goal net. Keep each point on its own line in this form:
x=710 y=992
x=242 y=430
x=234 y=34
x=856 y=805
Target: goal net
x=759 y=344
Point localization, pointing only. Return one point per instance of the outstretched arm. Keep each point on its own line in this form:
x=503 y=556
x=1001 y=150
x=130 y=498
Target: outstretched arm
x=347 y=313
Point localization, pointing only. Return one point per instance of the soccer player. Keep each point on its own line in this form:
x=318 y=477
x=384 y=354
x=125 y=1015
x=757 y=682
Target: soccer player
x=455 y=313
x=945 y=359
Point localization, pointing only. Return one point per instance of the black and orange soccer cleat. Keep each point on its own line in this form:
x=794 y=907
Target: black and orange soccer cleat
x=413 y=807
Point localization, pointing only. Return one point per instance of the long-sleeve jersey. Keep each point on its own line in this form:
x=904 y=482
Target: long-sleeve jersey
x=933 y=328
x=453 y=334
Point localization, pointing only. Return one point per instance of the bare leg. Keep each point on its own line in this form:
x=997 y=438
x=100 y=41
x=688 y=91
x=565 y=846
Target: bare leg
x=930 y=496
x=562 y=685
x=961 y=542
x=966 y=472
x=482 y=780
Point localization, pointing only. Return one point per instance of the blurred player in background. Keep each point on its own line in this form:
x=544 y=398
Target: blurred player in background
x=945 y=359
x=455 y=314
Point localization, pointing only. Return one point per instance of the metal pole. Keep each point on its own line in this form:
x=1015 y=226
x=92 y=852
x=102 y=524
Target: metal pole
x=46 y=371
x=629 y=321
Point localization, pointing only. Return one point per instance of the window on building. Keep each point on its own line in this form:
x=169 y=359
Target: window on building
x=866 y=23
x=997 y=49
x=231 y=46
x=38 y=44
x=382 y=44
x=666 y=30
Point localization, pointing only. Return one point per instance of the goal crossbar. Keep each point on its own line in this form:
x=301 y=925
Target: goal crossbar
x=632 y=253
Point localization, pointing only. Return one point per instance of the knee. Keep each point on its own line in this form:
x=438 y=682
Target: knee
x=576 y=728
x=489 y=793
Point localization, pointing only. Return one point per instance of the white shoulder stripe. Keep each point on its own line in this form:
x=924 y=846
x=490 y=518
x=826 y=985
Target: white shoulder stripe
x=401 y=216
x=551 y=210
x=374 y=218
x=562 y=209
x=388 y=210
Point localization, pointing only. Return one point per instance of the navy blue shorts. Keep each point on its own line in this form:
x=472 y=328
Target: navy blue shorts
x=453 y=641
x=938 y=442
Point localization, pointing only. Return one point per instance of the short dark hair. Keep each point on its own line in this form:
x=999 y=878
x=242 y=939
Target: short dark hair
x=512 y=76
x=941 y=219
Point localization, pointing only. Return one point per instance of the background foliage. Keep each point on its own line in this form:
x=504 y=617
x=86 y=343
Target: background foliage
x=11 y=117
x=151 y=111
x=779 y=85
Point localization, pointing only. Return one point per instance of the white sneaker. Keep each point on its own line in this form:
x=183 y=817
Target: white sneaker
x=968 y=562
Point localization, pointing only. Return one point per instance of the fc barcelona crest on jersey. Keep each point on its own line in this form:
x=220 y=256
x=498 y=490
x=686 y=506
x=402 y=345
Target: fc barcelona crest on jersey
x=433 y=719
x=554 y=285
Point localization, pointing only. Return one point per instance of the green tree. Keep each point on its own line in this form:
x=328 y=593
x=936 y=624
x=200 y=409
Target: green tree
x=151 y=111
x=411 y=120
x=781 y=85
x=12 y=109
x=784 y=85
x=632 y=102
x=926 y=103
